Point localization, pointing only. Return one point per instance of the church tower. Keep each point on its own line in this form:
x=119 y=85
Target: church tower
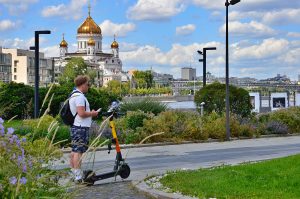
x=115 y=47
x=63 y=47
x=87 y=29
x=91 y=49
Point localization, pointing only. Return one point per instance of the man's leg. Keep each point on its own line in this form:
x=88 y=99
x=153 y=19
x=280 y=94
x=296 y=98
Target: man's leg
x=71 y=160
x=77 y=160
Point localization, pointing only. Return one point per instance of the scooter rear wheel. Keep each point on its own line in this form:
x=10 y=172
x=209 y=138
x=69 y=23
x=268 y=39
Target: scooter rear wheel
x=88 y=177
x=124 y=171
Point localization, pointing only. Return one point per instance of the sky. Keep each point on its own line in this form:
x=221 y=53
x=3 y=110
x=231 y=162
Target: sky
x=264 y=35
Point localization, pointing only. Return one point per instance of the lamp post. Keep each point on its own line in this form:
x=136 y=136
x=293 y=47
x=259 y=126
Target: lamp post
x=36 y=48
x=204 y=61
x=232 y=2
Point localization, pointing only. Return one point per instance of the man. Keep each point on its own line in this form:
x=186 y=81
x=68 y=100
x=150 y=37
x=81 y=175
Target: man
x=80 y=108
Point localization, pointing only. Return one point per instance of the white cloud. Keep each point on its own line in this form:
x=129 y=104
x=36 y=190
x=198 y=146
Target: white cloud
x=293 y=34
x=275 y=17
x=126 y=47
x=178 y=56
x=292 y=57
x=16 y=7
x=269 y=48
x=155 y=10
x=121 y=30
x=73 y=10
x=259 y=60
x=6 y=25
x=251 y=29
x=282 y=17
x=185 y=30
x=209 y=4
x=20 y=43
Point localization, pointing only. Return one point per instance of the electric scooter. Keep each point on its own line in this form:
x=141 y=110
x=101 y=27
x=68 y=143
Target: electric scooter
x=120 y=168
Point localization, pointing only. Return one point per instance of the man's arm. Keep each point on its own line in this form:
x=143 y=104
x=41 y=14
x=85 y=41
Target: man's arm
x=82 y=113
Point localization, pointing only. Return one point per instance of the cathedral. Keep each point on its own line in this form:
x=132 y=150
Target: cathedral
x=108 y=65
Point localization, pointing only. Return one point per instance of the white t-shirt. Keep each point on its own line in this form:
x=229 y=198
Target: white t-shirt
x=78 y=99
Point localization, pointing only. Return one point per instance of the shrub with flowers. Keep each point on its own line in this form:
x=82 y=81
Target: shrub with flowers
x=24 y=170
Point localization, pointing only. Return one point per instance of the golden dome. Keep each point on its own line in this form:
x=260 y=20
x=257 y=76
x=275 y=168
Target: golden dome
x=63 y=43
x=114 y=44
x=89 y=26
x=91 y=42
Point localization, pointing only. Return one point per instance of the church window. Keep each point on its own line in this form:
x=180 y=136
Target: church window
x=112 y=61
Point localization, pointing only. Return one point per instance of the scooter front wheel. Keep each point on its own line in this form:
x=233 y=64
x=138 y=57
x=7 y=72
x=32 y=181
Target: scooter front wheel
x=124 y=171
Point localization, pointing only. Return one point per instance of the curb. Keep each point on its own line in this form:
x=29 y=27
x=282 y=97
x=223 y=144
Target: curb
x=143 y=188
x=68 y=150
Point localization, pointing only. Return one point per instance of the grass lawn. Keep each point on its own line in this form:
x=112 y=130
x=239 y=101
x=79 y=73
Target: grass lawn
x=278 y=178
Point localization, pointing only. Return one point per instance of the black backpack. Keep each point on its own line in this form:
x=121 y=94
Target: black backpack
x=66 y=114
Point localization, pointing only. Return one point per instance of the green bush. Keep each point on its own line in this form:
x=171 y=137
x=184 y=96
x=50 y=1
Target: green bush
x=16 y=100
x=45 y=127
x=215 y=126
x=175 y=125
x=146 y=105
x=276 y=127
x=135 y=119
x=214 y=97
x=290 y=117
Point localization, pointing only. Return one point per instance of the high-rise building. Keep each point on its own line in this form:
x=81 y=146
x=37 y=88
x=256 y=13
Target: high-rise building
x=5 y=67
x=188 y=73
x=23 y=70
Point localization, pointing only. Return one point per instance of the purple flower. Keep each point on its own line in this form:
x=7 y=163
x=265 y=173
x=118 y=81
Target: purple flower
x=1 y=121
x=30 y=163
x=22 y=152
x=10 y=131
x=18 y=142
x=24 y=168
x=2 y=130
x=13 y=180
x=23 y=140
x=20 y=159
x=23 y=180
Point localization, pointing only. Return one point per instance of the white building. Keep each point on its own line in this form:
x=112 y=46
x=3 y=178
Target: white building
x=108 y=66
x=188 y=73
x=22 y=69
x=5 y=67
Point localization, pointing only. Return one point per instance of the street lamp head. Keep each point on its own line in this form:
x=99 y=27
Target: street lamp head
x=210 y=48
x=199 y=52
x=43 y=32
x=232 y=2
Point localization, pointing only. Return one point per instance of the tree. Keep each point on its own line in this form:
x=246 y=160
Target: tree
x=76 y=66
x=144 y=79
x=213 y=96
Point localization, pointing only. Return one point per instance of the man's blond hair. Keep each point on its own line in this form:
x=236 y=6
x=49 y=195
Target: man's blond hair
x=81 y=79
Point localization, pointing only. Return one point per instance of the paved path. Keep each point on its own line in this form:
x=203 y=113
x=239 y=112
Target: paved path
x=154 y=160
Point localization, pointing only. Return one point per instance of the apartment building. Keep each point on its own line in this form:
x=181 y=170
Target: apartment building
x=22 y=67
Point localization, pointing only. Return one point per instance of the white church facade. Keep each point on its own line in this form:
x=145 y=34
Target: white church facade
x=108 y=65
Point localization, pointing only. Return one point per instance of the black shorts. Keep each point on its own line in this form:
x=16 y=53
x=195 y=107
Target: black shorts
x=79 y=139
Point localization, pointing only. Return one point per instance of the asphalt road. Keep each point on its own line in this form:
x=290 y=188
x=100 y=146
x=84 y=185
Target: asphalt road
x=159 y=159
